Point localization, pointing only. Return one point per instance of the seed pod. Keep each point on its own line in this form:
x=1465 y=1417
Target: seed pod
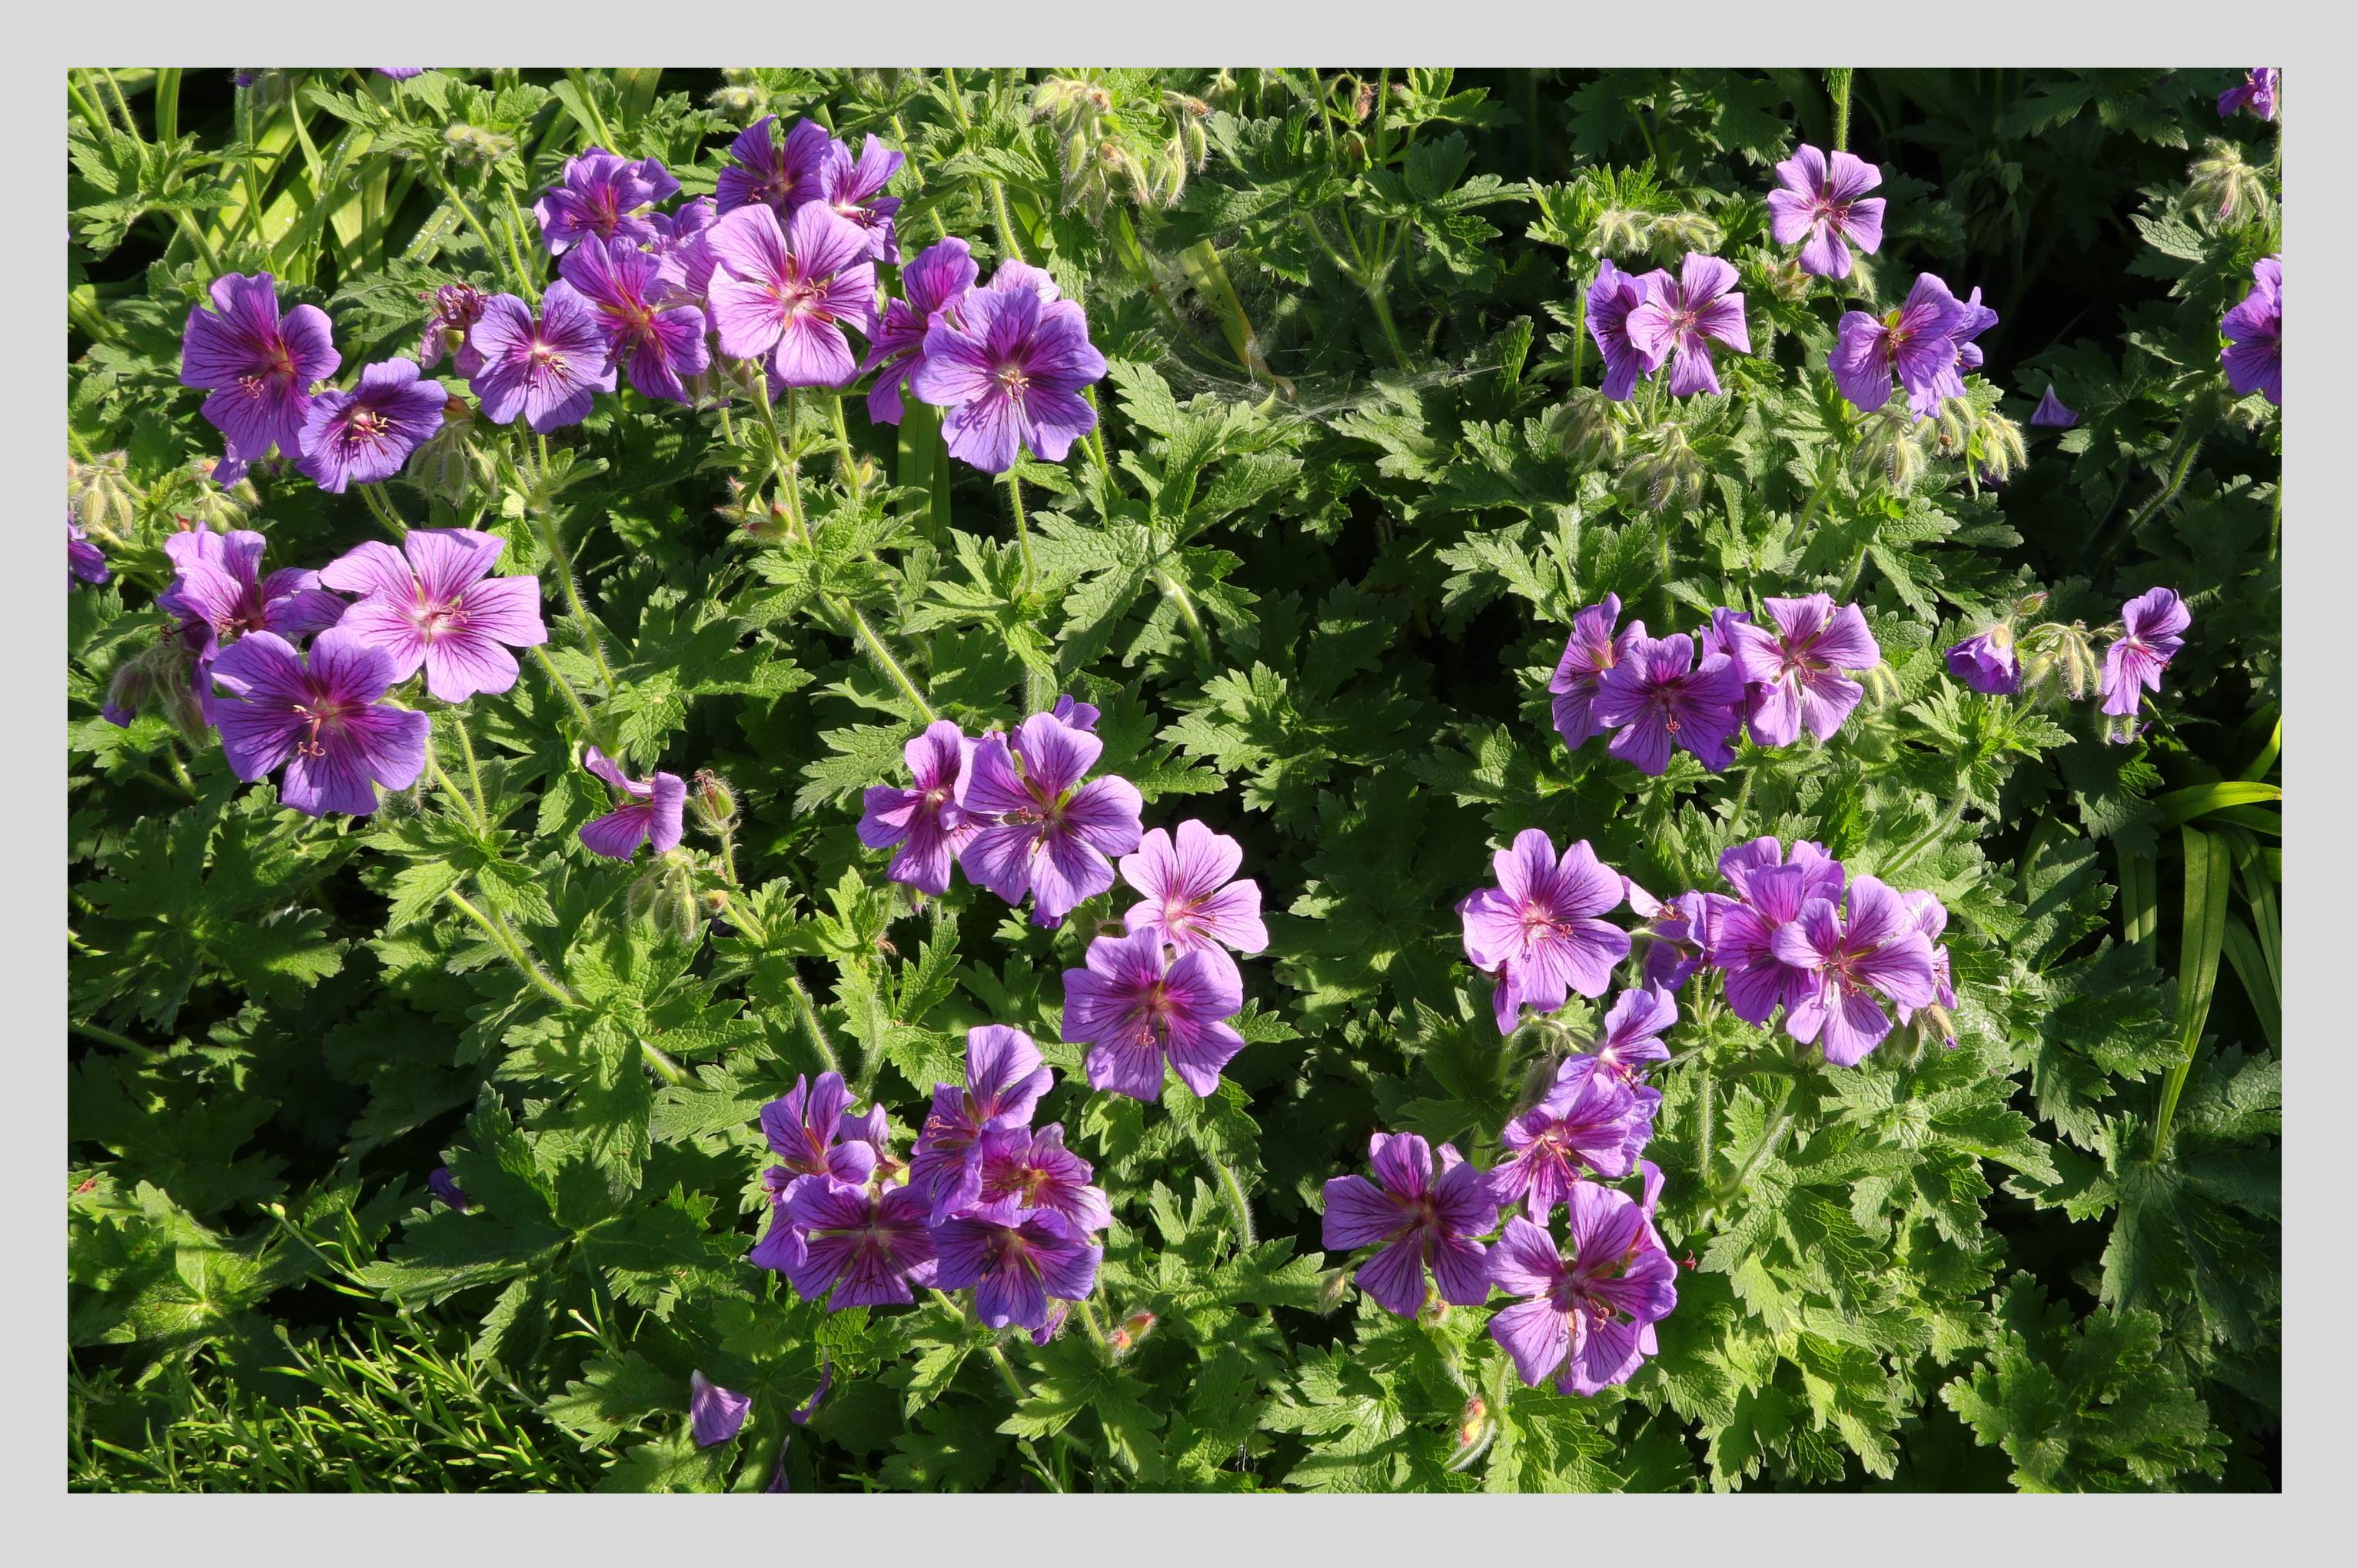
x=714 y=801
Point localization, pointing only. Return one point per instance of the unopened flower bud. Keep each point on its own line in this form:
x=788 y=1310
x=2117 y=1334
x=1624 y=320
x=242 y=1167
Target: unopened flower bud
x=1621 y=232
x=1168 y=177
x=1053 y=1325
x=2223 y=184
x=2028 y=604
x=1128 y=1333
x=1785 y=279
x=1337 y=1284
x=1675 y=233
x=1893 y=447
x=734 y=101
x=1589 y=427
x=130 y=689
x=1998 y=450
x=713 y=803
x=1881 y=683
x=224 y=508
x=443 y=464
x=1668 y=473
x=472 y=144
x=664 y=897
x=1476 y=1427
x=102 y=494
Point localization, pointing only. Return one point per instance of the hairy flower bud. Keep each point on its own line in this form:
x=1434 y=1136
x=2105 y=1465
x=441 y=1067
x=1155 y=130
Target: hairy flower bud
x=1668 y=473
x=664 y=897
x=1996 y=447
x=472 y=144
x=1621 y=232
x=1672 y=234
x=2058 y=663
x=222 y=507
x=1589 y=427
x=1893 y=447
x=1785 y=279
x=713 y=803
x=2221 y=184
x=1127 y=1334
x=103 y=496
x=444 y=463
x=735 y=101
x=1168 y=177
x=1881 y=683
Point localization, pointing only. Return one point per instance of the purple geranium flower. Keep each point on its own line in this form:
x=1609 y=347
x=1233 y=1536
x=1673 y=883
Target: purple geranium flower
x=1004 y=1078
x=2051 y=413
x=940 y=277
x=853 y=189
x=1769 y=894
x=364 y=435
x=434 y=604
x=1589 y=1118
x=259 y=366
x=1825 y=199
x=715 y=1415
x=865 y=1246
x=219 y=594
x=84 y=560
x=806 y=1126
x=1794 y=674
x=1633 y=1030
x=1930 y=917
x=1873 y=949
x=1916 y=343
x=1676 y=321
x=457 y=308
x=605 y=195
x=1987 y=663
x=444 y=1187
x=2254 y=331
x=320 y=719
x=1676 y=931
x=1044 y=833
x=1009 y=365
x=782 y=178
x=1590 y=649
x=1537 y=931
x=1024 y=1170
x=1972 y=319
x=1136 y=1011
x=650 y=811
x=1075 y=714
x=1594 y=1319
x=545 y=371
x=1016 y=1269
x=1610 y=300
x=2256 y=91
x=1193 y=898
x=1658 y=698
x=2153 y=628
x=399 y=72
x=1420 y=1221
x=926 y=821
x=662 y=343
x=792 y=290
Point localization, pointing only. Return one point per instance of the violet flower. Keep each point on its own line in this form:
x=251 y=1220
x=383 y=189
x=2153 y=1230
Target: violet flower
x=1537 y=929
x=926 y=821
x=1589 y=1118
x=1915 y=343
x=259 y=366
x=2051 y=413
x=219 y=594
x=662 y=343
x=364 y=435
x=1825 y=199
x=806 y=1129
x=1676 y=934
x=1930 y=917
x=1136 y=1011
x=1612 y=300
x=433 y=604
x=1043 y=834
x=545 y=371
x=605 y=195
x=1591 y=1322
x=1008 y=366
x=444 y=1187
x=1678 y=319
x=1794 y=674
x=1423 y=1216
x=1193 y=897
x=1015 y=1270
x=1657 y=698
x=1633 y=1030
x=650 y=811
x=1004 y=1078
x=1592 y=648
x=788 y=293
x=2256 y=91
x=320 y=718
x=1769 y=895
x=2153 y=628
x=1988 y=662
x=781 y=178
x=940 y=277
x=1023 y=1170
x=84 y=561
x=1076 y=714
x=715 y=1415
x=853 y=189
x=2254 y=331
x=457 y=308
x=1870 y=950
x=866 y=1247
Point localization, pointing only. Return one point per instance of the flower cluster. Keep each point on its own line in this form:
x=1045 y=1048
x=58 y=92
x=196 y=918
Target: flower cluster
x=1586 y=1317
x=1641 y=323
x=1694 y=693
x=985 y=1201
x=2051 y=659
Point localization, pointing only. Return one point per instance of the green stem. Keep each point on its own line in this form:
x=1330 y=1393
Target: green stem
x=843 y=445
x=510 y=944
x=1940 y=824
x=465 y=808
x=1769 y=1136
x=1022 y=531
x=474 y=773
x=810 y=1021
x=546 y=527
x=1007 y=239
x=466 y=213
x=515 y=232
x=1178 y=596
x=573 y=698
x=1837 y=83
x=1234 y=1191
x=1096 y=1332
x=380 y=506
x=669 y=1071
x=120 y=1042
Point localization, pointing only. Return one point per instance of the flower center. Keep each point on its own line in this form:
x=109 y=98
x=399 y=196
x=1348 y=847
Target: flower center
x=365 y=426
x=1013 y=380
x=547 y=357
x=313 y=716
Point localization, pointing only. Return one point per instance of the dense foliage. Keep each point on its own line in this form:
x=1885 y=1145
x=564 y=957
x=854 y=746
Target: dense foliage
x=424 y=1147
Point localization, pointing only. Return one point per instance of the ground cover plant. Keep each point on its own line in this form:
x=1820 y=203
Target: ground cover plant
x=1099 y=779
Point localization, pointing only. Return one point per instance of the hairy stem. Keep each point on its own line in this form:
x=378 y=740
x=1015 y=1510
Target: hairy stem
x=1022 y=530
